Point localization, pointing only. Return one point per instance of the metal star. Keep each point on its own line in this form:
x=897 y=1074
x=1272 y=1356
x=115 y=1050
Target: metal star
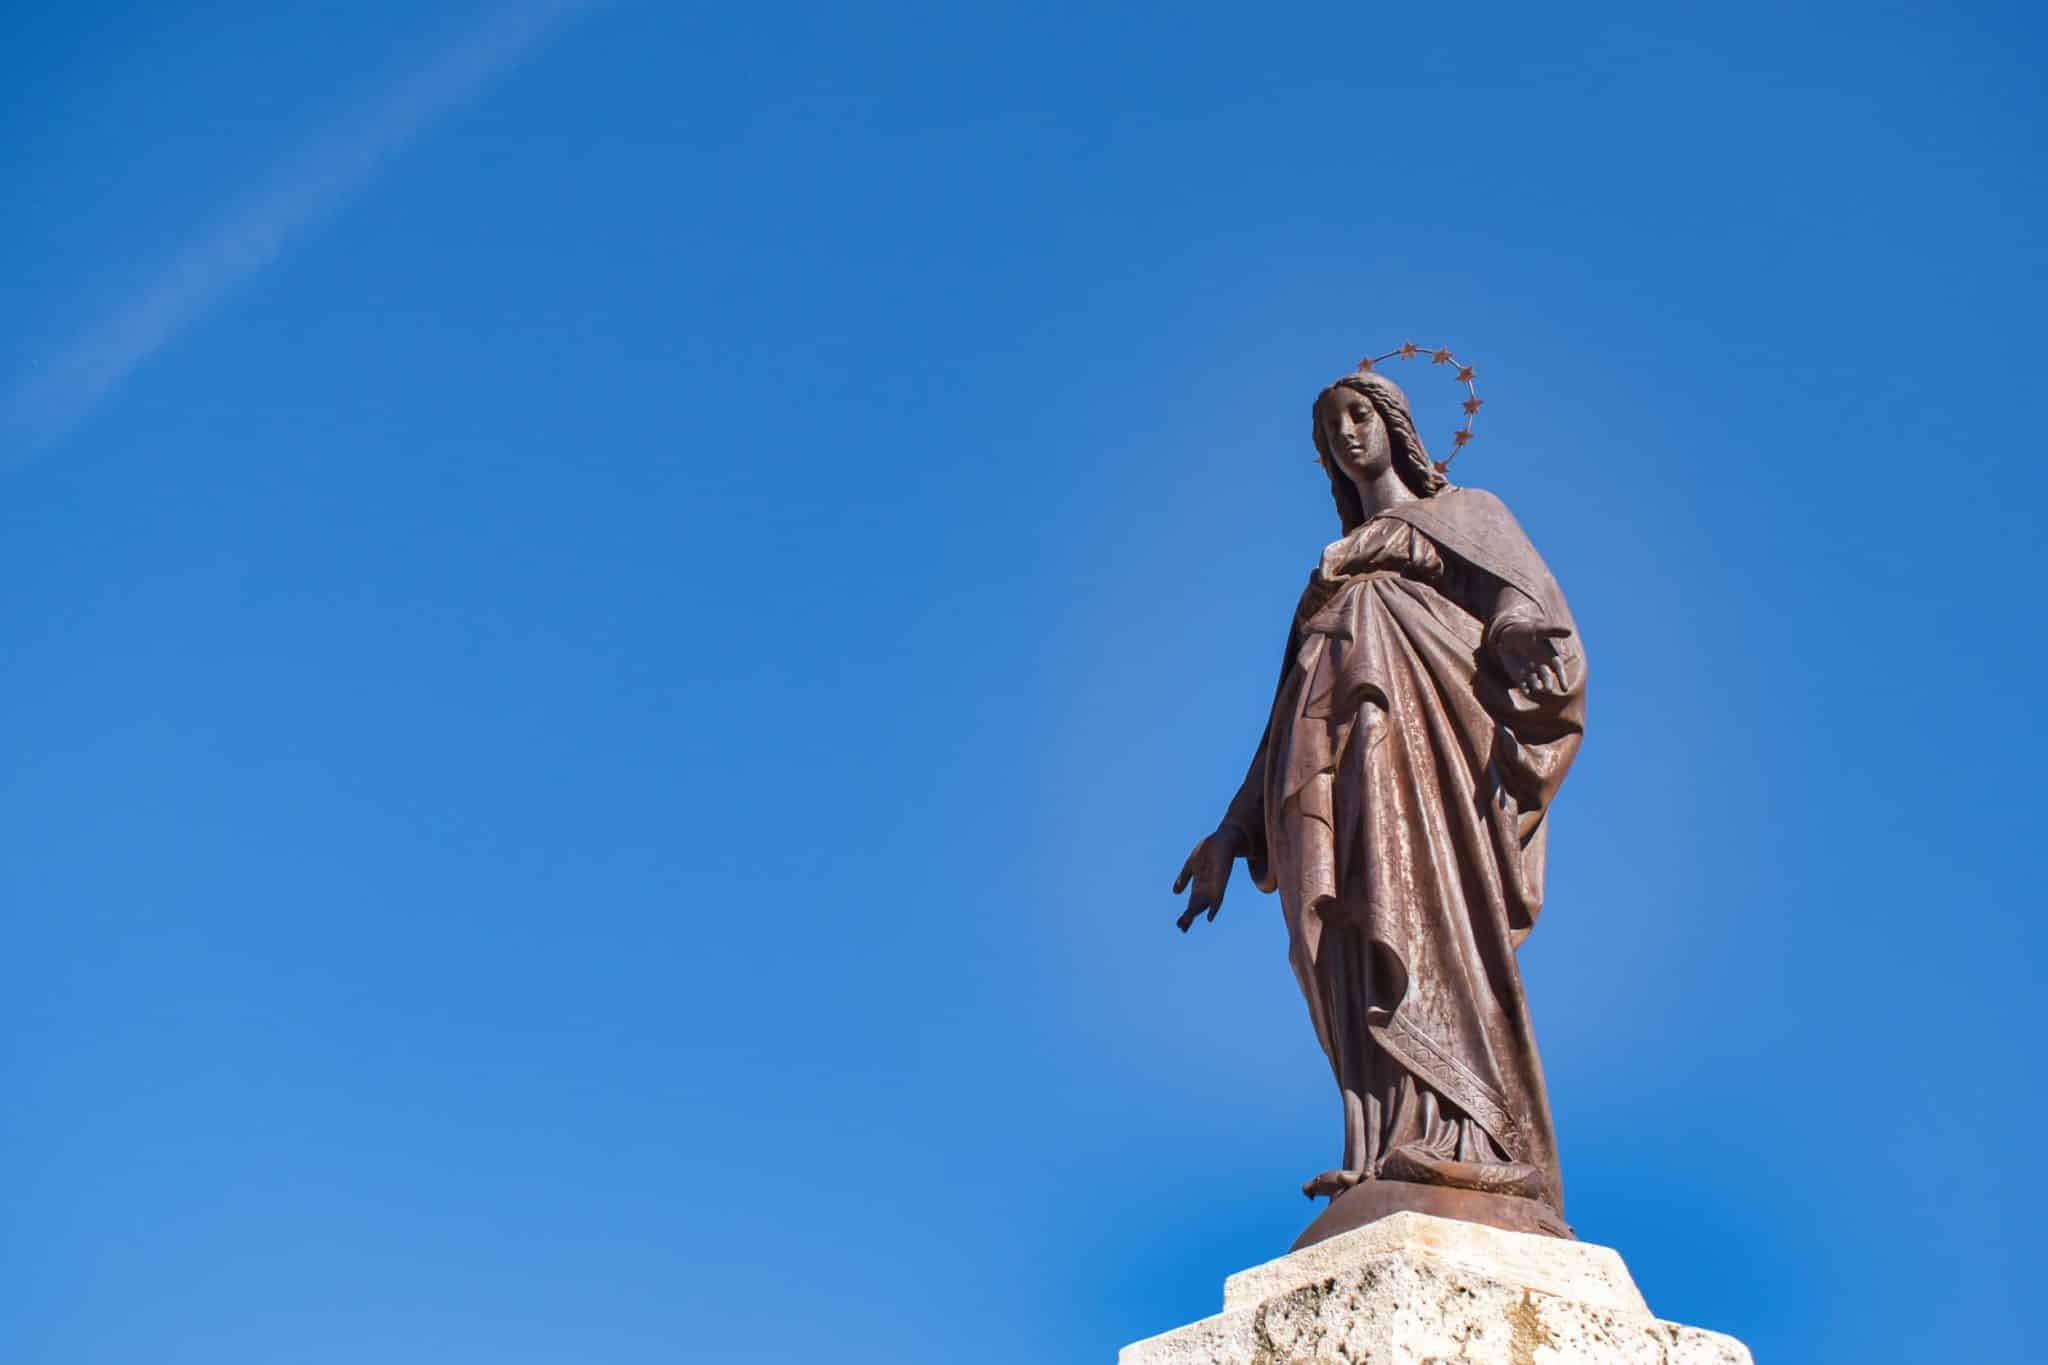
x=1365 y=364
x=1465 y=374
x=1439 y=357
x=1408 y=348
x=1461 y=438
x=1472 y=405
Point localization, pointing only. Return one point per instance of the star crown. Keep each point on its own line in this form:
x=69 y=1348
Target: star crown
x=1408 y=350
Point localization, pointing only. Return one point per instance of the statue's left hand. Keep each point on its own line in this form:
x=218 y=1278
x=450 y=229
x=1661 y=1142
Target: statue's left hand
x=1528 y=651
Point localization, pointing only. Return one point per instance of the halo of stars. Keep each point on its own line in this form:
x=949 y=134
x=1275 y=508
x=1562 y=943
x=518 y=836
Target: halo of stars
x=1407 y=350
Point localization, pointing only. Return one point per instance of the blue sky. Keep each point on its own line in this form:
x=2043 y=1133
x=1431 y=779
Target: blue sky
x=619 y=616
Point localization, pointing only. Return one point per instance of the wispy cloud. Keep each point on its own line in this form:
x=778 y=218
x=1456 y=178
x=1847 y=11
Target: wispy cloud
x=77 y=375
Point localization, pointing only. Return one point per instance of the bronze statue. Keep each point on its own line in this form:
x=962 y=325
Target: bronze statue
x=1430 y=700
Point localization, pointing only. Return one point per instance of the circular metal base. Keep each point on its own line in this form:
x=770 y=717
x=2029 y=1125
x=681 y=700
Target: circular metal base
x=1371 y=1200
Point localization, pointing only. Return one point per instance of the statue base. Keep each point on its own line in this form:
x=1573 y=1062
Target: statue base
x=1411 y=1288
x=1371 y=1200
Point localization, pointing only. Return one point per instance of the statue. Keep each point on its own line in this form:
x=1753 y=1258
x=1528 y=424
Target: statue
x=1431 y=698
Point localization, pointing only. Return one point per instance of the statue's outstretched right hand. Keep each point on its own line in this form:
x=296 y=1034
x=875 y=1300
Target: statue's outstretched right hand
x=1208 y=869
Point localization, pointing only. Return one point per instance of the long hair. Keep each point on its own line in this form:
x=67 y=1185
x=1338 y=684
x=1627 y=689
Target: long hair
x=1411 y=461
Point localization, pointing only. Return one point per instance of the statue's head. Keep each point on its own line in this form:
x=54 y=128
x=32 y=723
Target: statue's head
x=1362 y=426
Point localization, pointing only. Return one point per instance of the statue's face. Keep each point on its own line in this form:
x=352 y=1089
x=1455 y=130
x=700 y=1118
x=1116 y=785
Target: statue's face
x=1353 y=434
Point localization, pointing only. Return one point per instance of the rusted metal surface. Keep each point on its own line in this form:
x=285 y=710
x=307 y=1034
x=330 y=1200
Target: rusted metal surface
x=1431 y=700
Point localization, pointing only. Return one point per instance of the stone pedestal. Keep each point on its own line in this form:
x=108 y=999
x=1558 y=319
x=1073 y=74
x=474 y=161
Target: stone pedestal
x=1411 y=1289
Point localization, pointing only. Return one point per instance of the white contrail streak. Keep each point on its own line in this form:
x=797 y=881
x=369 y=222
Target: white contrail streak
x=62 y=391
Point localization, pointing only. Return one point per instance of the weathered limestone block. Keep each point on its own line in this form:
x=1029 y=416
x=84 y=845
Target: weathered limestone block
x=1415 y=1290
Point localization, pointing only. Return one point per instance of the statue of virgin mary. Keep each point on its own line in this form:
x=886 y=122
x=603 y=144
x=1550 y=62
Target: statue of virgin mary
x=1431 y=698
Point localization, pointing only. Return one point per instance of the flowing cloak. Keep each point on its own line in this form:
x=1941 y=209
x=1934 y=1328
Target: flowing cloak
x=1397 y=804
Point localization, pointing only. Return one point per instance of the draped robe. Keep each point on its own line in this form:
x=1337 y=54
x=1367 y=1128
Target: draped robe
x=1397 y=803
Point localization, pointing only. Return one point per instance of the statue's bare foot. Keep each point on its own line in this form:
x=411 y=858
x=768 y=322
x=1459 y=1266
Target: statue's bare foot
x=1330 y=1184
